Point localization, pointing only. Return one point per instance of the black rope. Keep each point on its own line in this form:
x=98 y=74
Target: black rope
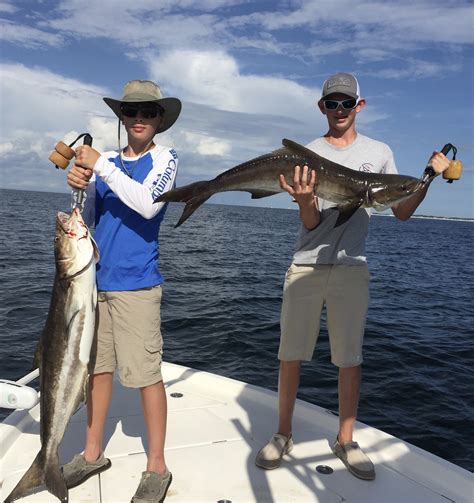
x=87 y=139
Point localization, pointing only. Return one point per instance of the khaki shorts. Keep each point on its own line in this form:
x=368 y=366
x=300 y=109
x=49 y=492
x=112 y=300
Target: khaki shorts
x=345 y=292
x=128 y=336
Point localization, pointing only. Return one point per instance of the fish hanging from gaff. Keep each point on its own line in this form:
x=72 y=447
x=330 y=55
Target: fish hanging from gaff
x=63 y=351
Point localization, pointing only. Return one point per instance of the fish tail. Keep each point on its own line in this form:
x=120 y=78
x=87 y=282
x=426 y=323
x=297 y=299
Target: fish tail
x=193 y=195
x=32 y=479
x=191 y=206
x=54 y=480
x=36 y=476
x=185 y=193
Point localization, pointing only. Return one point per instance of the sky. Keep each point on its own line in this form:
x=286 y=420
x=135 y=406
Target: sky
x=249 y=73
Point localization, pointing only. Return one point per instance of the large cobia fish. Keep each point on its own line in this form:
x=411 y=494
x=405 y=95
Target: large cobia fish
x=63 y=351
x=347 y=188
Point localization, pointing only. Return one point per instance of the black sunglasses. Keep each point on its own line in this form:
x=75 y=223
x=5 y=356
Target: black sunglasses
x=346 y=104
x=147 y=110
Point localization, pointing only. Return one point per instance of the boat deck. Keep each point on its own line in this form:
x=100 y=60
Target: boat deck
x=215 y=430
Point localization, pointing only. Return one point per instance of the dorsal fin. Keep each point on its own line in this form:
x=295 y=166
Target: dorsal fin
x=300 y=149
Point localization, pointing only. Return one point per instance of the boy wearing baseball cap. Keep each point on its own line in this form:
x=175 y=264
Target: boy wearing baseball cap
x=329 y=269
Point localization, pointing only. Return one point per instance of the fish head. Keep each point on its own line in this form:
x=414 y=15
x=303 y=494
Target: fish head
x=396 y=188
x=74 y=248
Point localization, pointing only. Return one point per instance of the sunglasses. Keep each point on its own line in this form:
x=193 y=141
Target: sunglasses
x=346 y=104
x=146 y=110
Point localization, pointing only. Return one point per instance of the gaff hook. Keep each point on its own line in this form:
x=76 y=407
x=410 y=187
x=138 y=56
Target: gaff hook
x=452 y=173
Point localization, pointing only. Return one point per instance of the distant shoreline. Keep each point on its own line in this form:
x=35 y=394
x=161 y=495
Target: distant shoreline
x=375 y=213
x=426 y=217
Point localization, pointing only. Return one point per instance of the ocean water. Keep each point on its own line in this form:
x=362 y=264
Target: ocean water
x=224 y=271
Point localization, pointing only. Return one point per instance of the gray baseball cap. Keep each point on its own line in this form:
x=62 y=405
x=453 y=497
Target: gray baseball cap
x=343 y=83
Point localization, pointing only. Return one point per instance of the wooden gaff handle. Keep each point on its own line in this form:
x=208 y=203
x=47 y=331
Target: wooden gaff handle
x=61 y=155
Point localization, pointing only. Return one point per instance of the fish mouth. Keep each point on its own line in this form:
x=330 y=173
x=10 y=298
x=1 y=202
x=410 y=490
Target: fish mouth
x=418 y=185
x=70 y=223
x=63 y=217
x=411 y=186
x=63 y=220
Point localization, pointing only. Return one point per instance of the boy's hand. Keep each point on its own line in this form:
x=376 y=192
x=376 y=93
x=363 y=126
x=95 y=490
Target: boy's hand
x=86 y=157
x=303 y=185
x=78 y=177
x=439 y=162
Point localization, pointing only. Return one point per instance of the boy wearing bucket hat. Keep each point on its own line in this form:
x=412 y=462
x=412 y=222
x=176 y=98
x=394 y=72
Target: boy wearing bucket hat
x=330 y=268
x=120 y=189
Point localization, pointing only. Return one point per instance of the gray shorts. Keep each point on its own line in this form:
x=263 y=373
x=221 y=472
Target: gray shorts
x=344 y=290
x=128 y=336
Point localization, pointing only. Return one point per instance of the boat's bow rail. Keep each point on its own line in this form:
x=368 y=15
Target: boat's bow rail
x=17 y=395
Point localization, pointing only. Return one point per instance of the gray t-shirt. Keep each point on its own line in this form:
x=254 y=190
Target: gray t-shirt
x=344 y=244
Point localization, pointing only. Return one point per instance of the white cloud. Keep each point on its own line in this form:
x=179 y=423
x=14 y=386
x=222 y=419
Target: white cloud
x=392 y=27
x=378 y=35
x=372 y=55
x=141 y=24
x=5 y=148
x=209 y=145
x=45 y=98
x=226 y=119
x=7 y=7
x=46 y=107
x=26 y=36
x=214 y=78
x=416 y=69
x=403 y=20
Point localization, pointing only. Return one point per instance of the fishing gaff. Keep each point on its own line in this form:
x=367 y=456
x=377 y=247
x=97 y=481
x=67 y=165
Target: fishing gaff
x=452 y=173
x=61 y=156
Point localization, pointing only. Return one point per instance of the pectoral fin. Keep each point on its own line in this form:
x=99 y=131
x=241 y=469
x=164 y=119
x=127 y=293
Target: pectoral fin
x=96 y=251
x=346 y=211
x=76 y=324
x=38 y=358
x=259 y=193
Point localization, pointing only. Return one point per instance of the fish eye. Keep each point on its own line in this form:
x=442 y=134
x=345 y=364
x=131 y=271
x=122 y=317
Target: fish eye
x=404 y=187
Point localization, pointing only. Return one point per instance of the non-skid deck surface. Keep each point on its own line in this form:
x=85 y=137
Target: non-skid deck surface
x=214 y=432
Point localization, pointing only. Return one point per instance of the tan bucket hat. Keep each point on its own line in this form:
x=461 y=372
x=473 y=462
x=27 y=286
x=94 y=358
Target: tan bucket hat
x=139 y=91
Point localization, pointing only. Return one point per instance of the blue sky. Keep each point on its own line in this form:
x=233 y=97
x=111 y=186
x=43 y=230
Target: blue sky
x=249 y=73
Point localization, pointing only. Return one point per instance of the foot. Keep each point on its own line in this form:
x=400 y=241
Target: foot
x=78 y=470
x=269 y=457
x=153 y=487
x=355 y=459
